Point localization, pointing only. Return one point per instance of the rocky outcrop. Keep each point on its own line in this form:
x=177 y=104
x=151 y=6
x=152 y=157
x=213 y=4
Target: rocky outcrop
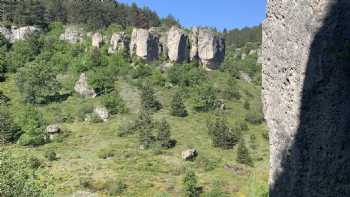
x=72 y=34
x=96 y=39
x=211 y=49
x=194 y=44
x=14 y=34
x=144 y=44
x=177 y=45
x=83 y=88
x=118 y=43
x=53 y=131
x=189 y=154
x=102 y=113
x=306 y=91
x=162 y=35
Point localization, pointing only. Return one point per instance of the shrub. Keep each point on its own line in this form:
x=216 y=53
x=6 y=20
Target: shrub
x=37 y=82
x=205 y=99
x=190 y=184
x=222 y=136
x=186 y=75
x=254 y=117
x=105 y=153
x=18 y=179
x=148 y=98
x=101 y=80
x=232 y=91
x=141 y=71
x=114 y=103
x=9 y=131
x=246 y=105
x=33 y=126
x=34 y=162
x=243 y=155
x=3 y=64
x=253 y=142
x=163 y=133
x=118 y=188
x=51 y=155
x=21 y=52
x=3 y=98
x=178 y=107
x=83 y=110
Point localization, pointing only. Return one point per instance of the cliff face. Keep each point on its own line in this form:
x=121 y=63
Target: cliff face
x=306 y=89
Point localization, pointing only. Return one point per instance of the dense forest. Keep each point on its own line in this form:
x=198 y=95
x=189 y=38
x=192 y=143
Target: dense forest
x=94 y=14
x=54 y=141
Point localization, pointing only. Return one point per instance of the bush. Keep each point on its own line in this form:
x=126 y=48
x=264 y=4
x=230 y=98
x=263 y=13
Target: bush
x=254 y=118
x=118 y=188
x=21 y=53
x=83 y=110
x=246 y=105
x=101 y=80
x=190 y=184
x=18 y=179
x=178 y=107
x=3 y=98
x=186 y=75
x=114 y=103
x=37 y=83
x=51 y=155
x=232 y=91
x=3 y=64
x=243 y=155
x=9 y=131
x=105 y=153
x=163 y=133
x=205 y=99
x=148 y=98
x=33 y=126
x=34 y=163
x=141 y=71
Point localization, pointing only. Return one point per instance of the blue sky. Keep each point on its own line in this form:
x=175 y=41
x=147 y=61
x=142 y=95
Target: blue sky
x=215 y=13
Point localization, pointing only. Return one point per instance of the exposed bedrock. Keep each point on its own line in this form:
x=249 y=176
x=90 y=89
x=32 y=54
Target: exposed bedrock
x=306 y=91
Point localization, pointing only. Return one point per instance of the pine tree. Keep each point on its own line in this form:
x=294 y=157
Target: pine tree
x=164 y=133
x=221 y=135
x=144 y=126
x=190 y=184
x=9 y=132
x=243 y=155
x=148 y=98
x=178 y=107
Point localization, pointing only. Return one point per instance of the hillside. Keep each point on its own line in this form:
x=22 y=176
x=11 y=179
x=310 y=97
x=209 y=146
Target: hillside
x=84 y=114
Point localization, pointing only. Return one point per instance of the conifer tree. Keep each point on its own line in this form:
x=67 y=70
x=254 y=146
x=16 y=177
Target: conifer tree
x=148 y=98
x=164 y=133
x=243 y=155
x=190 y=184
x=178 y=107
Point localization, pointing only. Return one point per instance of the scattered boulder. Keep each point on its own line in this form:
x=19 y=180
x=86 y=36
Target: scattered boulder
x=194 y=44
x=82 y=87
x=72 y=35
x=245 y=77
x=243 y=56
x=117 y=43
x=96 y=39
x=102 y=113
x=211 y=49
x=189 y=154
x=165 y=66
x=14 y=34
x=144 y=44
x=177 y=45
x=53 y=130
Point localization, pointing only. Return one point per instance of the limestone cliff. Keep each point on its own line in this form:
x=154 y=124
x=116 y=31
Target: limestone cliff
x=306 y=89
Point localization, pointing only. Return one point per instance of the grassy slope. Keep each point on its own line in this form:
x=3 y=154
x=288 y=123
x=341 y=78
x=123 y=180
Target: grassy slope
x=145 y=172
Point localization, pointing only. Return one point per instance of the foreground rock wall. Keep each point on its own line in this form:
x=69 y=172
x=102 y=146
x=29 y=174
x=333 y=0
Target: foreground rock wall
x=306 y=89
